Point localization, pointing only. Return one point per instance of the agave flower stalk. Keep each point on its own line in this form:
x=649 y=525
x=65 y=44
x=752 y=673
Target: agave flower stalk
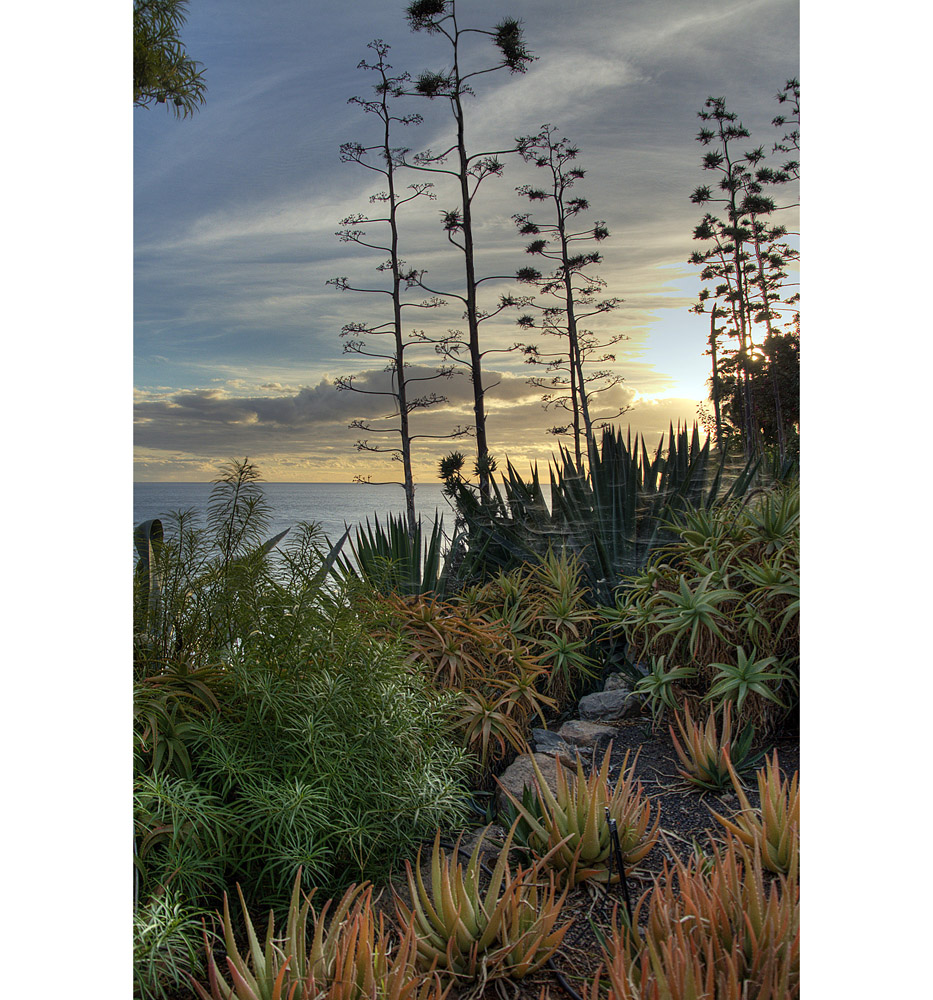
x=573 y=830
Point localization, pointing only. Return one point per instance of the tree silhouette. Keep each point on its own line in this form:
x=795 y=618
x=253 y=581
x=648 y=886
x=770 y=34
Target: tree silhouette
x=569 y=385
x=468 y=170
x=364 y=338
x=746 y=255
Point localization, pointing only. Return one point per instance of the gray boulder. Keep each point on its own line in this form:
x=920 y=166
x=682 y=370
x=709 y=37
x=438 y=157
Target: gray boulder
x=580 y=733
x=520 y=774
x=608 y=706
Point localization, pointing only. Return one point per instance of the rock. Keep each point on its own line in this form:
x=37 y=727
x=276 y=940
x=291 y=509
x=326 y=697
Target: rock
x=586 y=734
x=609 y=705
x=550 y=743
x=520 y=774
x=617 y=682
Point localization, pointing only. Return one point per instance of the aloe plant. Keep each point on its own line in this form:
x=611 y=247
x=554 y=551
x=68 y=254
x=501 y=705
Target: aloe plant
x=570 y=827
x=712 y=928
x=350 y=956
x=721 y=606
x=707 y=753
x=773 y=830
x=506 y=930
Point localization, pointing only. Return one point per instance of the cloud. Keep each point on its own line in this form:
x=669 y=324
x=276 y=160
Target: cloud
x=180 y=434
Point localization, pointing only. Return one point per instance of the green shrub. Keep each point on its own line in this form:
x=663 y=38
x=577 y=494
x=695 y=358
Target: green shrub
x=272 y=730
x=716 y=613
x=168 y=945
x=341 y=761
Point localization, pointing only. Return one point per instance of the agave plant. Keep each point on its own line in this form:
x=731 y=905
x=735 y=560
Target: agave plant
x=706 y=754
x=774 y=829
x=572 y=830
x=393 y=561
x=611 y=514
x=507 y=930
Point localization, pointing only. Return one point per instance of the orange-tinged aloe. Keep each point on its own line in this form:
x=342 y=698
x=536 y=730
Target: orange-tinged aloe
x=706 y=754
x=713 y=929
x=464 y=932
x=774 y=829
x=572 y=828
x=351 y=957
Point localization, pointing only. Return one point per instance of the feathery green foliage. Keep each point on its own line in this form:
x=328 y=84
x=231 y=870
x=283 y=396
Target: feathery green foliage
x=162 y=69
x=167 y=946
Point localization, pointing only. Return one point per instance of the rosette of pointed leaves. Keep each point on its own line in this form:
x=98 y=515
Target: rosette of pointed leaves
x=463 y=931
x=695 y=614
x=773 y=830
x=734 y=682
x=707 y=754
x=572 y=831
x=661 y=685
x=351 y=958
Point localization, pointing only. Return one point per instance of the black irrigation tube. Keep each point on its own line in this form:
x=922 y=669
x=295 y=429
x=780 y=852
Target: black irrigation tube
x=617 y=850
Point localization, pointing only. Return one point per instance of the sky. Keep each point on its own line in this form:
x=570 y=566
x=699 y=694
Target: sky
x=236 y=333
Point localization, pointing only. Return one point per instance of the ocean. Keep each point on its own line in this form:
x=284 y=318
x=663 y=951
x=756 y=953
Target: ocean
x=333 y=506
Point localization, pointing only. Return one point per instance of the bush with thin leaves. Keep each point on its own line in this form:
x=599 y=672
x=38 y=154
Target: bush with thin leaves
x=338 y=764
x=167 y=947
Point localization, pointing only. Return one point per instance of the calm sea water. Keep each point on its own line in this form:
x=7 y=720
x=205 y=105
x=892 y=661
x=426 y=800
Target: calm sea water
x=333 y=506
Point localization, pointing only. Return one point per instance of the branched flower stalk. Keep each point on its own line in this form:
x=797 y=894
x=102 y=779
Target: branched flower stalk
x=468 y=170
x=404 y=389
x=572 y=283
